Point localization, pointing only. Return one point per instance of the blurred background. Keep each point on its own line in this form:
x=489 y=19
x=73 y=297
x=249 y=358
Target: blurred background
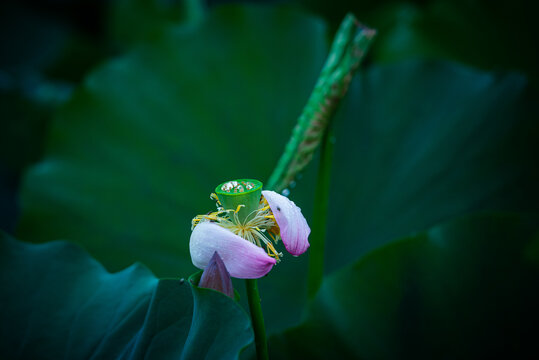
x=49 y=46
x=118 y=118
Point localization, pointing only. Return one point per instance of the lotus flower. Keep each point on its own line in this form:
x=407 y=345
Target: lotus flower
x=246 y=227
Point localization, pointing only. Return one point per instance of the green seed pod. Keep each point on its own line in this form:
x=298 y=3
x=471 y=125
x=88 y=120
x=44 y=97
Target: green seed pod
x=242 y=196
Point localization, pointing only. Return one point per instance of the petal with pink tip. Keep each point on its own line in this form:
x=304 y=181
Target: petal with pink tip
x=294 y=229
x=242 y=259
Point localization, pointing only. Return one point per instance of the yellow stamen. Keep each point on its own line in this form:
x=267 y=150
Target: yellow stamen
x=238 y=208
x=255 y=228
x=214 y=197
x=270 y=246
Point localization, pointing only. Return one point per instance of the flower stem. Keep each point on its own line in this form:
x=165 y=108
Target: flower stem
x=319 y=224
x=257 y=319
x=348 y=49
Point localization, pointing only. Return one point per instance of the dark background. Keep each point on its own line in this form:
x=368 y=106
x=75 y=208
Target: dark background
x=440 y=127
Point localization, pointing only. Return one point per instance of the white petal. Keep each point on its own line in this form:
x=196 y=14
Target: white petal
x=294 y=229
x=242 y=259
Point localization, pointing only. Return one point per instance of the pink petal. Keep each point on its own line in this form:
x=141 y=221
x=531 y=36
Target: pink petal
x=243 y=259
x=217 y=277
x=294 y=229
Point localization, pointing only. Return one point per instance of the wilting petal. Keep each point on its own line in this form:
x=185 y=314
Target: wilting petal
x=217 y=277
x=294 y=229
x=243 y=259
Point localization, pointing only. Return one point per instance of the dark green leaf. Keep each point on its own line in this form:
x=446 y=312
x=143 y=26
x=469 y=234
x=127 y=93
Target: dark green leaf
x=132 y=158
x=30 y=40
x=22 y=132
x=44 y=41
x=58 y=303
x=465 y=289
x=133 y=21
x=422 y=142
x=486 y=34
x=136 y=153
x=491 y=34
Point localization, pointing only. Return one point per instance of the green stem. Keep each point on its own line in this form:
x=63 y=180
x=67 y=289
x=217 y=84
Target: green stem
x=257 y=319
x=348 y=49
x=319 y=224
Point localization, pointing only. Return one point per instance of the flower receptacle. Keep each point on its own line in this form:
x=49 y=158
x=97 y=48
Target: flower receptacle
x=242 y=196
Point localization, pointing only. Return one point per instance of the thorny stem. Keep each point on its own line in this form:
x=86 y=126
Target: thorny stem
x=257 y=319
x=348 y=49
